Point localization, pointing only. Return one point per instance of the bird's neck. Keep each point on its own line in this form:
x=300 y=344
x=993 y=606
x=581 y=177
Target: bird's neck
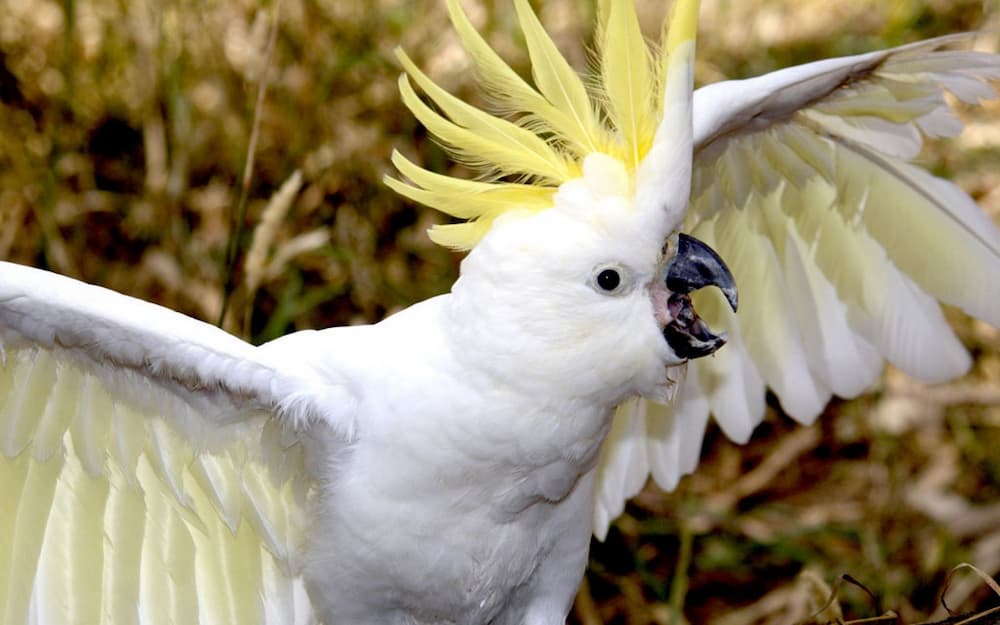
x=525 y=415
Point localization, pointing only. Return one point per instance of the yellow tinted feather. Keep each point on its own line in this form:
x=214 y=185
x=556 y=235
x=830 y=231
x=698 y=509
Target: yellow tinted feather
x=511 y=92
x=557 y=80
x=683 y=24
x=627 y=81
x=478 y=198
x=475 y=206
x=522 y=143
x=459 y=236
x=478 y=151
x=551 y=126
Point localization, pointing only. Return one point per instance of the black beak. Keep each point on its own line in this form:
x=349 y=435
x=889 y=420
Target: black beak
x=694 y=266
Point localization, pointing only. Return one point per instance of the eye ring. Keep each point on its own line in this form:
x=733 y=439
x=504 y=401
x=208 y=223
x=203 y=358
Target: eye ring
x=610 y=279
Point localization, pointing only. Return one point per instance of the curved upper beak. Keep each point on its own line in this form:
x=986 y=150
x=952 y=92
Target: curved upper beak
x=694 y=266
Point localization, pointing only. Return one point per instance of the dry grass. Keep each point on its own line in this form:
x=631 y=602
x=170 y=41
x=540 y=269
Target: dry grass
x=124 y=134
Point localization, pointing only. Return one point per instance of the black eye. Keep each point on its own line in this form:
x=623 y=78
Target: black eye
x=609 y=279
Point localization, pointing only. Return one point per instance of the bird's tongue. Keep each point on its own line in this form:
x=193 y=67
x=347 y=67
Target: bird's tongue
x=687 y=334
x=694 y=266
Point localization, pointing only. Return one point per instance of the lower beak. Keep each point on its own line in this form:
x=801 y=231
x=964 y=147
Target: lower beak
x=694 y=266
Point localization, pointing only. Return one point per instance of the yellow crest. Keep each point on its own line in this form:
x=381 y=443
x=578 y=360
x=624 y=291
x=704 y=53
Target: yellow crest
x=549 y=127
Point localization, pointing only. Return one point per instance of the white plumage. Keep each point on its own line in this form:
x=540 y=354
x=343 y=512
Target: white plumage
x=450 y=463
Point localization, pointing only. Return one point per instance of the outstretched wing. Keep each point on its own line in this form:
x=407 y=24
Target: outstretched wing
x=151 y=465
x=841 y=247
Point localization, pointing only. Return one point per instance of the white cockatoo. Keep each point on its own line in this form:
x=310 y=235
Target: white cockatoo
x=449 y=464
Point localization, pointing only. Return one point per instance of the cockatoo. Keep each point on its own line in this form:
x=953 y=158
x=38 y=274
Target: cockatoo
x=449 y=464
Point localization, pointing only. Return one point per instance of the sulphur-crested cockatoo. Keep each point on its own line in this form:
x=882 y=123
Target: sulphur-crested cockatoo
x=449 y=464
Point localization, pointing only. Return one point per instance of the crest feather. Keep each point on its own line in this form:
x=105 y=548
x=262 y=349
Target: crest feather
x=484 y=141
x=542 y=159
x=627 y=80
x=478 y=197
x=480 y=202
x=558 y=82
x=513 y=94
x=457 y=236
x=551 y=127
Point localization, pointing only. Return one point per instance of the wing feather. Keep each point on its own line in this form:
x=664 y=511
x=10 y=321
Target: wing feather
x=35 y=378
x=670 y=425
x=833 y=241
x=769 y=330
x=75 y=526
x=36 y=484
x=624 y=465
x=124 y=521
x=942 y=224
x=843 y=360
x=730 y=379
x=841 y=246
x=153 y=463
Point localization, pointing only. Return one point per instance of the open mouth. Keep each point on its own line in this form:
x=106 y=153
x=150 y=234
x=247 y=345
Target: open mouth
x=694 y=266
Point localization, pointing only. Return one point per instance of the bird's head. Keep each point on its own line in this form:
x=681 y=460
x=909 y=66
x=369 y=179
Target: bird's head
x=580 y=261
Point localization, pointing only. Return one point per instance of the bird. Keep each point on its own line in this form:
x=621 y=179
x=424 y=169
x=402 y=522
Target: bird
x=640 y=256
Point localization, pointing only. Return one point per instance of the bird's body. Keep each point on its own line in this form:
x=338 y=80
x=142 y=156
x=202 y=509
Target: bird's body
x=435 y=482
x=447 y=485
x=477 y=471
x=450 y=463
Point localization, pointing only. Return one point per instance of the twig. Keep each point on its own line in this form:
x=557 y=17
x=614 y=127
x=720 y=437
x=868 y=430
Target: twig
x=263 y=235
x=954 y=394
x=232 y=250
x=986 y=617
x=989 y=581
x=679 y=584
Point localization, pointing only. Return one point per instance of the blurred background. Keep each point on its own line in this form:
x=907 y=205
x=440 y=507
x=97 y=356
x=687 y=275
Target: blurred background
x=126 y=129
